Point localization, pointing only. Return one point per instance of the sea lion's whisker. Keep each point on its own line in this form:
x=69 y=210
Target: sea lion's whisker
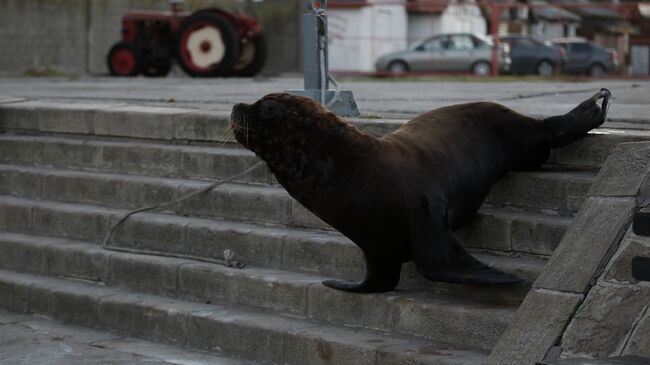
x=237 y=121
x=228 y=131
x=224 y=136
x=224 y=139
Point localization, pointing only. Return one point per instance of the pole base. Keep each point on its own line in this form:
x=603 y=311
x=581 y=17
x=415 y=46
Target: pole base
x=344 y=106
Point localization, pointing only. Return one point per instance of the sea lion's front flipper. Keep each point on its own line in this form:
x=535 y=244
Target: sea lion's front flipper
x=381 y=276
x=439 y=257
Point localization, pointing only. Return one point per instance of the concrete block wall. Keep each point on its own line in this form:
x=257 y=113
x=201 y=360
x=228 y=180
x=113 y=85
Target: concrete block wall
x=358 y=36
x=74 y=36
x=586 y=303
x=39 y=34
x=614 y=319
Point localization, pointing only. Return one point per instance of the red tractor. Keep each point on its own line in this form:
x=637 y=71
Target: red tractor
x=207 y=43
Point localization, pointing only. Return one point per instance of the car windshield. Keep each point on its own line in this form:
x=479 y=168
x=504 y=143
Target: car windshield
x=485 y=39
x=418 y=44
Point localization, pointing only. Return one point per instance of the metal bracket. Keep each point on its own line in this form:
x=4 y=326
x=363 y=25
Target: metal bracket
x=316 y=73
x=641 y=268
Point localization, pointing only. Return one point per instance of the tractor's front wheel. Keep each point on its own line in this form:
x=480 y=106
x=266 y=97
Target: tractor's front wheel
x=124 y=59
x=207 y=45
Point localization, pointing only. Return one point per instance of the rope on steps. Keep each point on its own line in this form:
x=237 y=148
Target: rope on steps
x=228 y=254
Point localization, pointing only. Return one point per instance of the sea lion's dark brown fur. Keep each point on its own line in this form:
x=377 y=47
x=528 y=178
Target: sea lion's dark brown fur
x=400 y=197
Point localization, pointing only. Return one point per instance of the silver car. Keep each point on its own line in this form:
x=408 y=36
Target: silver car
x=461 y=52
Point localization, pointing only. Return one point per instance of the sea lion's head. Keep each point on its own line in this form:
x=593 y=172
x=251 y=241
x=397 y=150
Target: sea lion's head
x=279 y=120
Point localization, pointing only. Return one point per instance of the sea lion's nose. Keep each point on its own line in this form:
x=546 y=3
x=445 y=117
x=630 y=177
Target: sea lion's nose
x=241 y=108
x=238 y=109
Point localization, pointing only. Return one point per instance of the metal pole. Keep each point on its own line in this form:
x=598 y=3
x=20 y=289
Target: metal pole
x=496 y=17
x=316 y=64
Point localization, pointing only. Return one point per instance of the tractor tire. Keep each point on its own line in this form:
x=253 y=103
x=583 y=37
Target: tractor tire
x=207 y=45
x=124 y=59
x=156 y=68
x=252 y=58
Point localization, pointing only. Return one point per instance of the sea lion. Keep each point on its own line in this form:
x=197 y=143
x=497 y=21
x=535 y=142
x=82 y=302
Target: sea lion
x=400 y=197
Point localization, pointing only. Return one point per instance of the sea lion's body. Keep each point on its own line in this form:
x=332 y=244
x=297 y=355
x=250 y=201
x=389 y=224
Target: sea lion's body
x=399 y=197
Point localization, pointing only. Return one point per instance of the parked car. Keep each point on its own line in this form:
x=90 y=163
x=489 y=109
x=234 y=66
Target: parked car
x=583 y=57
x=529 y=55
x=460 y=52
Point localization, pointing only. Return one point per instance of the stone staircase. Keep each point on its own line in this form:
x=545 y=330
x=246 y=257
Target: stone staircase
x=67 y=175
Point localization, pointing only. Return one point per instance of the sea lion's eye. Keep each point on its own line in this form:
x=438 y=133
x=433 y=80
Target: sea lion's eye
x=268 y=108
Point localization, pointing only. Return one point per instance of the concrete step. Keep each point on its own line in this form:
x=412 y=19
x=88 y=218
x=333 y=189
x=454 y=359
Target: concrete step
x=494 y=229
x=516 y=231
x=402 y=312
x=591 y=151
x=226 y=330
x=129 y=157
x=183 y=125
x=558 y=192
x=561 y=192
x=317 y=252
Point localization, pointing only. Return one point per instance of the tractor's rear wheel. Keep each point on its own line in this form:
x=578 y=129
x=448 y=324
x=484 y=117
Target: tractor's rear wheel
x=124 y=59
x=207 y=45
x=251 y=58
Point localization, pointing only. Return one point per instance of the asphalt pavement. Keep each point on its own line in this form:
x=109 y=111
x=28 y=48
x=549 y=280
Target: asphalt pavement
x=377 y=98
x=36 y=340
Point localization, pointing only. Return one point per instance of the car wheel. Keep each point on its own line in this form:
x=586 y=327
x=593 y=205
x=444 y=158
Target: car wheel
x=481 y=68
x=397 y=68
x=596 y=70
x=545 y=68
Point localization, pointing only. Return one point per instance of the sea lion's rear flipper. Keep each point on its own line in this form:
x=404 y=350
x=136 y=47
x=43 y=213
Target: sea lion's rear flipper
x=381 y=276
x=438 y=256
x=564 y=129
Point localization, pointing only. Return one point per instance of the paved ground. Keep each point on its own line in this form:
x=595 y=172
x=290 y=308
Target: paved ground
x=34 y=340
x=376 y=98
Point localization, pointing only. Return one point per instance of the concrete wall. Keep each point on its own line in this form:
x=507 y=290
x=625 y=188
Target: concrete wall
x=639 y=60
x=586 y=303
x=38 y=34
x=74 y=36
x=423 y=26
x=463 y=19
x=614 y=319
x=357 y=37
x=454 y=19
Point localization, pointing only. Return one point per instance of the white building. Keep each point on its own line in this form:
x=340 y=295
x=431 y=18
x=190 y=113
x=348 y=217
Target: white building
x=552 y=22
x=362 y=30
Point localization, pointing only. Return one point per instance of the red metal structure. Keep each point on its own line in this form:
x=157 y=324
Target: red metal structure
x=207 y=43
